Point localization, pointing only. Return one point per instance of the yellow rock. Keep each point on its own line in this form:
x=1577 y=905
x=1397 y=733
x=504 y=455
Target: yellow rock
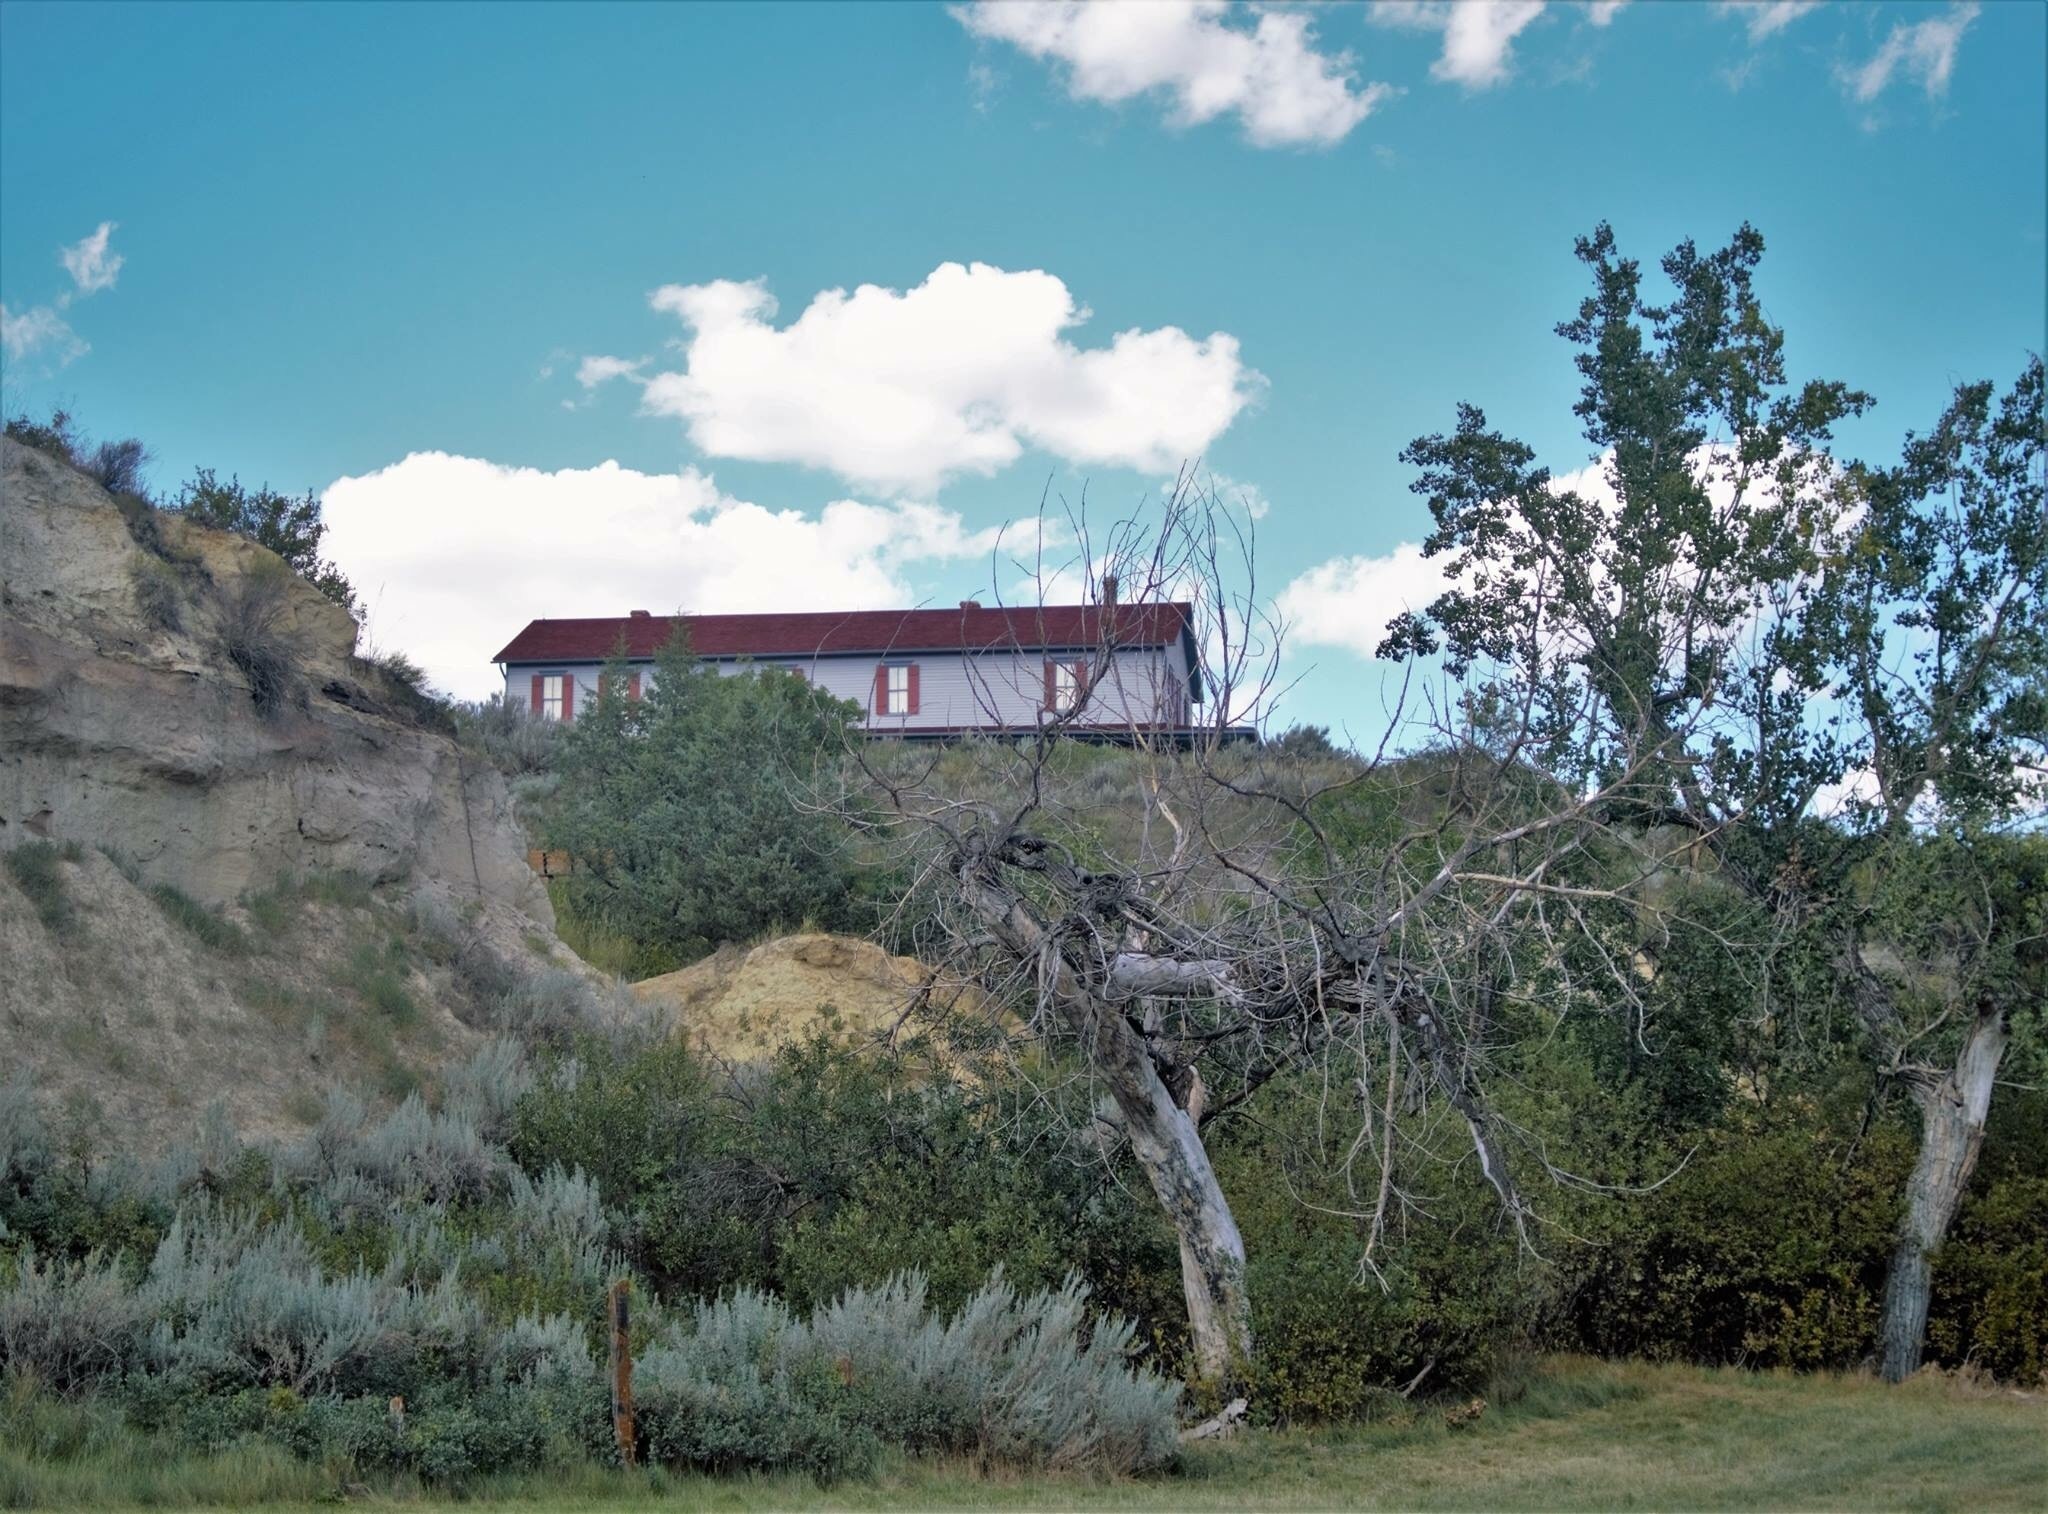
x=745 y=1004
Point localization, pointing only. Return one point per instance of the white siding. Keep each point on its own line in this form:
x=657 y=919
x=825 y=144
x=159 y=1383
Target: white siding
x=957 y=691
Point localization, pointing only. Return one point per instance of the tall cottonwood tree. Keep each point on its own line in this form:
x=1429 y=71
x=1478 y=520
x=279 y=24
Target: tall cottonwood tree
x=1755 y=620
x=1931 y=621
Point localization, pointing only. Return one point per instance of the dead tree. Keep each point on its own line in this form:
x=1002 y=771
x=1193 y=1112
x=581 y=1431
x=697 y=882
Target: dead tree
x=1222 y=938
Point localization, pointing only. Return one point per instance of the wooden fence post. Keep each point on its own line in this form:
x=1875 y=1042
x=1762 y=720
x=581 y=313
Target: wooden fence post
x=622 y=1370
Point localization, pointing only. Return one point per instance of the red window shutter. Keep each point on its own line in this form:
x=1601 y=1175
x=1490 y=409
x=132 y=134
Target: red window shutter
x=913 y=688
x=1051 y=687
x=633 y=687
x=568 y=696
x=881 y=688
x=536 y=693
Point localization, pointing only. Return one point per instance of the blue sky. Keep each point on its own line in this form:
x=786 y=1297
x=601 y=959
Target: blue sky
x=353 y=234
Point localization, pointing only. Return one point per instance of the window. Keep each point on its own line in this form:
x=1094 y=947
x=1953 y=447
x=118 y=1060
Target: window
x=896 y=688
x=551 y=695
x=1067 y=678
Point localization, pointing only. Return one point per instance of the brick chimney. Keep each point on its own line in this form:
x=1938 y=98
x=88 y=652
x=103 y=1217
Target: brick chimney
x=1109 y=590
x=639 y=615
x=970 y=604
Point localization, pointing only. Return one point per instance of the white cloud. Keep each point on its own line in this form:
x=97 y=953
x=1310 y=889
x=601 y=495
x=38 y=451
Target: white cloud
x=454 y=554
x=42 y=329
x=1602 y=12
x=1269 y=73
x=602 y=370
x=90 y=263
x=1766 y=18
x=1478 y=34
x=902 y=390
x=1348 y=601
x=1926 y=50
x=24 y=333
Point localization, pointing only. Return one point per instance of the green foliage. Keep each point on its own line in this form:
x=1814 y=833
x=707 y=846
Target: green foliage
x=1335 y=1338
x=682 y=810
x=156 y=593
x=1990 y=1304
x=288 y=525
x=212 y=930
x=255 y=636
x=377 y=975
x=58 y=437
x=33 y=865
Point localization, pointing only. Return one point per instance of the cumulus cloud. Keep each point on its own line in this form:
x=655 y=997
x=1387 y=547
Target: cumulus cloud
x=38 y=330
x=1602 y=12
x=1478 y=34
x=454 y=554
x=1926 y=50
x=1763 y=19
x=1201 y=55
x=901 y=390
x=1348 y=602
x=93 y=266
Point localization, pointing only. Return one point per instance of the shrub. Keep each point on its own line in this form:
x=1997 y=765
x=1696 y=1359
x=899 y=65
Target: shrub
x=550 y=1007
x=406 y=681
x=1026 y=1381
x=486 y=1088
x=682 y=809
x=57 y=438
x=378 y=977
x=508 y=735
x=288 y=525
x=253 y=619
x=213 y=930
x=71 y=1324
x=117 y=467
x=34 y=865
x=156 y=593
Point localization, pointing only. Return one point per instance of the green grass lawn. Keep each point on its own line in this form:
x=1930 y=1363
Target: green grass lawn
x=1580 y=1436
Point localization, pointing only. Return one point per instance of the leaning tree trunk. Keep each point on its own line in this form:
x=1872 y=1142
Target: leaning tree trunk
x=1163 y=1136
x=1952 y=1112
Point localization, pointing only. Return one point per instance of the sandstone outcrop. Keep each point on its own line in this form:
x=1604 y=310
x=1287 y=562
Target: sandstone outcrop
x=136 y=731
x=744 y=1003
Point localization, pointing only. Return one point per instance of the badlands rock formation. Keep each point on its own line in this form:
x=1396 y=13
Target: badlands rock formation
x=117 y=731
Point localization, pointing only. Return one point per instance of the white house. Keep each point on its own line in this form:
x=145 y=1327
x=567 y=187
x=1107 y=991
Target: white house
x=1109 y=672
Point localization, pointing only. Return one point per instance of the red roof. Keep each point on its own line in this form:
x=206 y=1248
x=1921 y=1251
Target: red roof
x=881 y=632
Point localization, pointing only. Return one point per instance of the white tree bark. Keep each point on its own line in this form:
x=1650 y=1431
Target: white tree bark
x=1163 y=1136
x=1953 y=1108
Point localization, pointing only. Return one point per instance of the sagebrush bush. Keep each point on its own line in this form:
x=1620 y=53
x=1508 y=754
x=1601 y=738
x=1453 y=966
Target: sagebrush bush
x=71 y=1324
x=1022 y=1380
x=255 y=635
x=507 y=734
